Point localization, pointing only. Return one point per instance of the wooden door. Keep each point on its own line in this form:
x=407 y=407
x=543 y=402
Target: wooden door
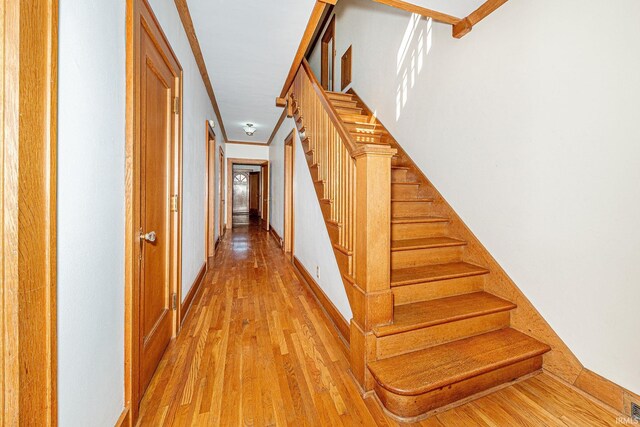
x=211 y=193
x=264 y=169
x=157 y=130
x=221 y=192
x=289 y=157
x=254 y=192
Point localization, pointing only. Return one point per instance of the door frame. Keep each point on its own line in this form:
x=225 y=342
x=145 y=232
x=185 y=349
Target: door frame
x=28 y=215
x=289 y=208
x=140 y=17
x=229 y=185
x=210 y=194
x=221 y=195
x=329 y=33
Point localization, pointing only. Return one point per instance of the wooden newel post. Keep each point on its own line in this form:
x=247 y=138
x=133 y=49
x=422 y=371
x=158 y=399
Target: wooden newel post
x=372 y=298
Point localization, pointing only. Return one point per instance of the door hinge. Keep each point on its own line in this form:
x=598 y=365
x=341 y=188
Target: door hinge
x=174 y=301
x=174 y=203
x=176 y=105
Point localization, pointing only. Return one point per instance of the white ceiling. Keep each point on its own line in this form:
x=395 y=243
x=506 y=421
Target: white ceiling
x=248 y=47
x=457 y=8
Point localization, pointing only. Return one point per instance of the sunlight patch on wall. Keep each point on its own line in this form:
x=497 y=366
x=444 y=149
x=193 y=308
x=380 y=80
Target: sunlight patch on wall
x=410 y=57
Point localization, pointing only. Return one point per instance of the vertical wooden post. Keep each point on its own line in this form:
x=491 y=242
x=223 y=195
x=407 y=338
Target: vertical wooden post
x=373 y=300
x=28 y=97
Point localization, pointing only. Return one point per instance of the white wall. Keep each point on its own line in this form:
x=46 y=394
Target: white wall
x=91 y=126
x=312 y=245
x=196 y=110
x=276 y=156
x=529 y=128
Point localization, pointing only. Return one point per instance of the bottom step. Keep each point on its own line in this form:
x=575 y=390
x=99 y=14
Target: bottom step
x=414 y=383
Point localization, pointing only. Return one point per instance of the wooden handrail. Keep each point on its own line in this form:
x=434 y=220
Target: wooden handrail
x=329 y=108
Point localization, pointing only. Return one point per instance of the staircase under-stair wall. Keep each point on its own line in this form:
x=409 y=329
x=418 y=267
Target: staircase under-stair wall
x=439 y=321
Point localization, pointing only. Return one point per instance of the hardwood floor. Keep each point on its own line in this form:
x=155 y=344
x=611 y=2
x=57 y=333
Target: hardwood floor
x=256 y=350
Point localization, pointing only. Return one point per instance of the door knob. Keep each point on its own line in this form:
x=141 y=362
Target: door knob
x=149 y=237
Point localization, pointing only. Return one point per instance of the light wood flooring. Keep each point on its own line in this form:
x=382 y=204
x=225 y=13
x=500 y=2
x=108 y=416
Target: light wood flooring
x=256 y=351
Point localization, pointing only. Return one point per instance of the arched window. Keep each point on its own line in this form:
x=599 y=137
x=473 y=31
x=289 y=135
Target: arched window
x=240 y=178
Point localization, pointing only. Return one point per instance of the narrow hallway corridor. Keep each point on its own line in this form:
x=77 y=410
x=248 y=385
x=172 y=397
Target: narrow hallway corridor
x=256 y=350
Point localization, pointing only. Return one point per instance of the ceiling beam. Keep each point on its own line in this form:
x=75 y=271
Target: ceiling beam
x=314 y=20
x=409 y=7
x=187 y=23
x=466 y=25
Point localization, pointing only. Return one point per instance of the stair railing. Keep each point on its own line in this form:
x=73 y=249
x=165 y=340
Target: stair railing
x=353 y=183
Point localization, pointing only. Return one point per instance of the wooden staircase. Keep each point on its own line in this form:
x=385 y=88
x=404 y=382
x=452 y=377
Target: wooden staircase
x=425 y=332
x=449 y=339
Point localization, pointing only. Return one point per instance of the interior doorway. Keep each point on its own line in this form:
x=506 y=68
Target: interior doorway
x=210 y=190
x=328 y=56
x=248 y=193
x=289 y=160
x=153 y=200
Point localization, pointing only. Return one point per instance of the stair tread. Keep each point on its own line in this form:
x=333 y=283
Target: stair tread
x=430 y=273
x=426 y=242
x=426 y=370
x=418 y=219
x=423 y=314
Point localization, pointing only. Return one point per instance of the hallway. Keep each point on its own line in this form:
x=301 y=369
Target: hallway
x=257 y=350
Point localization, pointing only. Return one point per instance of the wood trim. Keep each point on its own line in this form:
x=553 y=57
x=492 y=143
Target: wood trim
x=328 y=13
x=222 y=194
x=289 y=205
x=329 y=34
x=466 y=25
x=277 y=127
x=28 y=171
x=331 y=312
x=275 y=235
x=345 y=68
x=281 y=102
x=229 y=183
x=409 y=7
x=210 y=199
x=261 y=144
x=187 y=23
x=191 y=295
x=312 y=24
x=124 y=420
x=140 y=15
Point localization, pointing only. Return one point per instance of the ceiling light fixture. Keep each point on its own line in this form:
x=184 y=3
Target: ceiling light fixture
x=249 y=129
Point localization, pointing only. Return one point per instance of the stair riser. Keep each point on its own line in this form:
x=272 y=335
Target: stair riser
x=399 y=175
x=427 y=256
x=404 y=209
x=439 y=289
x=326 y=209
x=319 y=186
x=314 y=172
x=310 y=157
x=403 y=191
x=355 y=118
x=363 y=138
x=412 y=406
x=340 y=96
x=305 y=145
x=393 y=345
x=344 y=103
x=418 y=230
x=344 y=110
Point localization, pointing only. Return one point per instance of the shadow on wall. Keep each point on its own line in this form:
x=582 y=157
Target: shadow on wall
x=414 y=48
